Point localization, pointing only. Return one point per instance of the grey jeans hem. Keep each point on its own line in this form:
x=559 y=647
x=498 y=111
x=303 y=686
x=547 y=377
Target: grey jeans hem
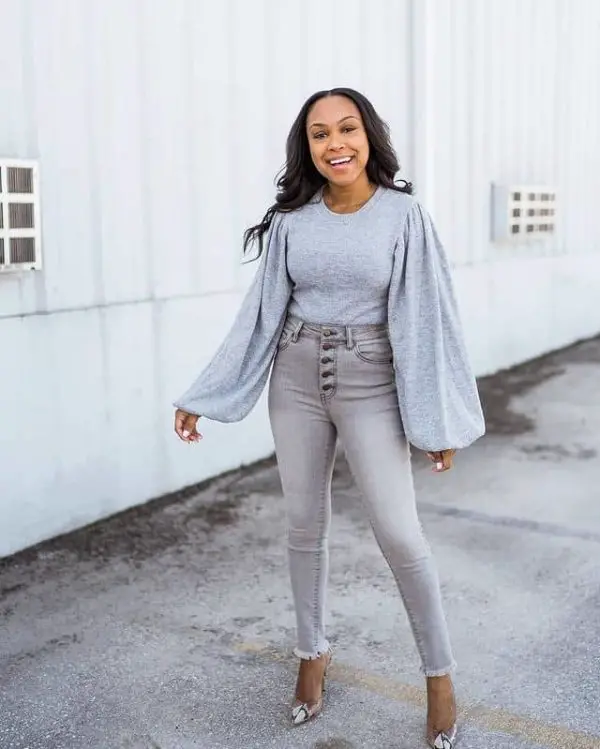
x=441 y=672
x=306 y=656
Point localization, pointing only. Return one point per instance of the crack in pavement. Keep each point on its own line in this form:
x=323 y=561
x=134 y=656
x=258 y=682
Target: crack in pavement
x=548 y=529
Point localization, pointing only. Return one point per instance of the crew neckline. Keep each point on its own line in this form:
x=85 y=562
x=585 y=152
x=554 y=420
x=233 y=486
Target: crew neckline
x=345 y=217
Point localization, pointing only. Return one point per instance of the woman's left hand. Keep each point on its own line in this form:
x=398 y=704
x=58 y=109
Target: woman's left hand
x=442 y=459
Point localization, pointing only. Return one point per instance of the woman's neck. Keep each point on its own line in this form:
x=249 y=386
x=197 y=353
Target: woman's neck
x=348 y=198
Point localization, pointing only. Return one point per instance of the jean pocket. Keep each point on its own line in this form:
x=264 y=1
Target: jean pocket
x=375 y=351
x=285 y=338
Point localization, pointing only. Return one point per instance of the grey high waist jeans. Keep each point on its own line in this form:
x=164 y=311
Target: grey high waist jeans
x=330 y=382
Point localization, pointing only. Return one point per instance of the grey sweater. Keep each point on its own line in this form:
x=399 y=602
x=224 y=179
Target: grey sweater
x=384 y=263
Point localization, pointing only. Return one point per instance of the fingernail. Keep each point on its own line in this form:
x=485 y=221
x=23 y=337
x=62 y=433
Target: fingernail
x=186 y=434
x=439 y=466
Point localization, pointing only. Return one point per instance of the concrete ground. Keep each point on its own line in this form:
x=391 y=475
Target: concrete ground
x=171 y=625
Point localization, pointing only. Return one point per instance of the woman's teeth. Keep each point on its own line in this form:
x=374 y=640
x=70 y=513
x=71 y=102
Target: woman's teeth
x=345 y=160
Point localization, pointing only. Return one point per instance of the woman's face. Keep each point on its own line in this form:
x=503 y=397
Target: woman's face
x=338 y=142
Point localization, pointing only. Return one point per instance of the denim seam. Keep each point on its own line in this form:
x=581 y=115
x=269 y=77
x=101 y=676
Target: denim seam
x=413 y=623
x=411 y=618
x=318 y=555
x=419 y=642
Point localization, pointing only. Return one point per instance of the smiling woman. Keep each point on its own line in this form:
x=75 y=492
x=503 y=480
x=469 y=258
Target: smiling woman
x=340 y=120
x=339 y=133
x=335 y=126
x=352 y=311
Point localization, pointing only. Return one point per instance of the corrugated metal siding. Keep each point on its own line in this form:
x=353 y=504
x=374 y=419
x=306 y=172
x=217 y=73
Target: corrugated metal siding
x=517 y=100
x=159 y=128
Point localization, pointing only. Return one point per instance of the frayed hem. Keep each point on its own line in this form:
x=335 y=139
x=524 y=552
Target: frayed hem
x=442 y=672
x=306 y=656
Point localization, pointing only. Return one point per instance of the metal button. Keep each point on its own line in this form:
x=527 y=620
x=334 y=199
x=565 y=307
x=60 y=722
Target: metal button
x=327 y=374
x=327 y=346
x=327 y=333
x=327 y=386
x=326 y=360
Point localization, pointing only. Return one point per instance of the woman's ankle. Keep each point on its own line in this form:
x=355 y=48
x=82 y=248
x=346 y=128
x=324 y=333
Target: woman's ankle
x=441 y=704
x=309 y=685
x=439 y=682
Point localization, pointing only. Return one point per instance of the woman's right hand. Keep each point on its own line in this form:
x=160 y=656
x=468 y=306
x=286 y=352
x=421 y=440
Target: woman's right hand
x=185 y=426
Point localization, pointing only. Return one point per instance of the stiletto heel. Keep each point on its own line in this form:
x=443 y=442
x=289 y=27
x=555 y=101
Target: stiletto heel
x=304 y=711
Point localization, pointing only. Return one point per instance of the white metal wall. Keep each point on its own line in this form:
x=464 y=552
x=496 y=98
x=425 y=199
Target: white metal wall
x=513 y=94
x=159 y=126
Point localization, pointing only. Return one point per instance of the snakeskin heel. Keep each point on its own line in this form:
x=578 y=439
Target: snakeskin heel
x=305 y=711
x=445 y=740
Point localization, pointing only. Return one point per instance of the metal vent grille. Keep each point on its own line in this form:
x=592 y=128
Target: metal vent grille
x=522 y=212
x=20 y=180
x=20 y=216
x=20 y=236
x=22 y=250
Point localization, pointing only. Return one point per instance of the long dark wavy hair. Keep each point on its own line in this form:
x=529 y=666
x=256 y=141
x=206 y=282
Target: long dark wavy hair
x=299 y=179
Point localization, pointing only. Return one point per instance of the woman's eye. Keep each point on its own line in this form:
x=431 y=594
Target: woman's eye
x=318 y=136
x=349 y=129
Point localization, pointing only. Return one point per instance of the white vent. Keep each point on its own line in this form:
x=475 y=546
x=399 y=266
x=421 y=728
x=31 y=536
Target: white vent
x=522 y=212
x=20 y=245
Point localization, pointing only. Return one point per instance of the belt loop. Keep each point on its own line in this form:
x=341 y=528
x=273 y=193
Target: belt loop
x=297 y=329
x=349 y=341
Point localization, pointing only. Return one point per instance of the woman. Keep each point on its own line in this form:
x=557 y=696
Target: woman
x=353 y=305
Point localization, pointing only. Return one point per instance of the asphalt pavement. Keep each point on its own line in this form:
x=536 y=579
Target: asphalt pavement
x=171 y=625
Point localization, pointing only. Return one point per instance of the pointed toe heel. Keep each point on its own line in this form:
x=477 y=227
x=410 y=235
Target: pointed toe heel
x=445 y=740
x=305 y=711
